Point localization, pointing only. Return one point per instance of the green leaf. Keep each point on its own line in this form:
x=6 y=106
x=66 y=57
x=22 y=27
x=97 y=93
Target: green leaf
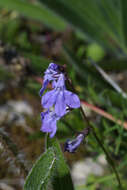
x=116 y=99
x=62 y=178
x=84 y=70
x=41 y=171
x=101 y=28
x=117 y=65
x=112 y=13
x=34 y=11
x=123 y=9
x=37 y=63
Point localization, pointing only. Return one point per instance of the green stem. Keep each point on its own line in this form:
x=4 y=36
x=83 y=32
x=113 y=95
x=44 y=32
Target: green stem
x=109 y=159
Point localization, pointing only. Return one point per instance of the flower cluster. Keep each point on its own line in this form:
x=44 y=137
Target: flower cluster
x=57 y=101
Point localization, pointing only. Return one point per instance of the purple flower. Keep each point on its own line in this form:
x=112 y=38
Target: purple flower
x=60 y=97
x=51 y=74
x=49 y=122
x=72 y=145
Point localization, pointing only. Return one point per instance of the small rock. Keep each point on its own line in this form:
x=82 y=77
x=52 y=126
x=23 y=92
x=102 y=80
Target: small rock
x=4 y=186
x=20 y=107
x=82 y=169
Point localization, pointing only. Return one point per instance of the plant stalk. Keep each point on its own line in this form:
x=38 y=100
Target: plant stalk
x=109 y=159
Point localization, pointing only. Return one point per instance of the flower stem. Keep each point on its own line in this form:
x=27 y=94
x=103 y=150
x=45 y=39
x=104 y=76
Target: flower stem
x=109 y=159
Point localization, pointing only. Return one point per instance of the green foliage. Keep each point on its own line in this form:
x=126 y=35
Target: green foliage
x=41 y=171
x=34 y=11
x=123 y=6
x=105 y=28
x=85 y=70
x=62 y=178
x=116 y=65
x=32 y=87
x=96 y=29
x=37 y=63
x=50 y=168
x=95 y=52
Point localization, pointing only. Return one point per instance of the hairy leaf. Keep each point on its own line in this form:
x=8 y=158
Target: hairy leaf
x=62 y=178
x=41 y=171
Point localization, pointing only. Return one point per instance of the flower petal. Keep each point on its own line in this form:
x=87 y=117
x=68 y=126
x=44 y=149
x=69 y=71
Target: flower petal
x=49 y=126
x=46 y=124
x=60 y=106
x=45 y=83
x=71 y=99
x=54 y=129
x=61 y=82
x=54 y=84
x=43 y=114
x=49 y=99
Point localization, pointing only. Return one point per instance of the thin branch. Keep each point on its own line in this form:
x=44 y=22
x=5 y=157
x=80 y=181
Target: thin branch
x=104 y=114
x=109 y=159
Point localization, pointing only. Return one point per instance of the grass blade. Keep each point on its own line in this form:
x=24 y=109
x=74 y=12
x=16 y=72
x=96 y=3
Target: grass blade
x=34 y=11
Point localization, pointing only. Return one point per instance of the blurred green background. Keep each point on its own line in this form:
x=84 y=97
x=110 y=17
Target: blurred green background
x=90 y=37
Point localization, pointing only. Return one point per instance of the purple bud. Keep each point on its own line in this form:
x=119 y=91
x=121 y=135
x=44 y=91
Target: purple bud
x=72 y=145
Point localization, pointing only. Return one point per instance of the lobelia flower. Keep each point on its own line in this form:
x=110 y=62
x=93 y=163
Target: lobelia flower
x=51 y=73
x=49 y=121
x=60 y=97
x=72 y=145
